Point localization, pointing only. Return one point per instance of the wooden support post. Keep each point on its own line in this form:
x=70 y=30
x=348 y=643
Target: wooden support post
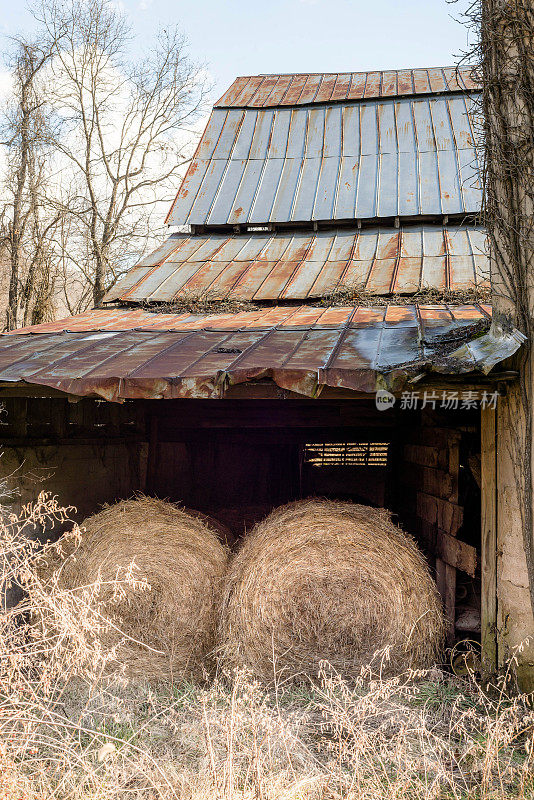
x=58 y=418
x=152 y=454
x=446 y=583
x=19 y=417
x=489 y=540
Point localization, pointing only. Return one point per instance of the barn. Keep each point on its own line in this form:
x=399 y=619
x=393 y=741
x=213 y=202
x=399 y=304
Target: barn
x=318 y=323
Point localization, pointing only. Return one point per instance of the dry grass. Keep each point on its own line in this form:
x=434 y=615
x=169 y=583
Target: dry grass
x=172 y=566
x=424 y=736
x=202 y=302
x=357 y=294
x=319 y=580
x=206 y=302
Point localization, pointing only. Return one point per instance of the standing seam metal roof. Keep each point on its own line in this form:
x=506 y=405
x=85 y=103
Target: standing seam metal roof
x=385 y=158
x=259 y=91
x=117 y=354
x=302 y=265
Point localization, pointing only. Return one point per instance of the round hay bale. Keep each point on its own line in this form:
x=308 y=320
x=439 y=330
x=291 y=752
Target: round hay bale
x=329 y=581
x=222 y=531
x=184 y=565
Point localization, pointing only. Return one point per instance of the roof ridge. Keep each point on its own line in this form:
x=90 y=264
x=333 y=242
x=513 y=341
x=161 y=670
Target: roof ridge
x=352 y=71
x=248 y=91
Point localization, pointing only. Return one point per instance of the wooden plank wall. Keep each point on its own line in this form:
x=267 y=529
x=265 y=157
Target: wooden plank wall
x=429 y=501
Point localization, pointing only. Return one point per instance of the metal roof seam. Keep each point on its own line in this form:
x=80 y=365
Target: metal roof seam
x=248 y=350
x=151 y=272
x=418 y=181
x=226 y=169
x=447 y=248
x=246 y=88
x=476 y=281
x=456 y=148
x=296 y=268
x=216 y=345
x=332 y=242
x=341 y=339
x=299 y=178
x=11 y=343
x=397 y=263
x=240 y=278
x=114 y=355
x=191 y=163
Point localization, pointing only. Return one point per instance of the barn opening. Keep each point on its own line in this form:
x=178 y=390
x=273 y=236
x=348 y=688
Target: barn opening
x=237 y=459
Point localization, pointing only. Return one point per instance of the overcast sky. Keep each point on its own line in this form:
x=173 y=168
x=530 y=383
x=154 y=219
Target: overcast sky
x=246 y=37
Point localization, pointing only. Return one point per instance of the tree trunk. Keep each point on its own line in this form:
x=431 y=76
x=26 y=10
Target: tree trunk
x=507 y=42
x=15 y=234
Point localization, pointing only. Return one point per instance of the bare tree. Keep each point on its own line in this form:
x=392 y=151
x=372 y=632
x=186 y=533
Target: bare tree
x=27 y=231
x=124 y=133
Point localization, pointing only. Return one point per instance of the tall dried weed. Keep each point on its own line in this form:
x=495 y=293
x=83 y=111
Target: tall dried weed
x=70 y=730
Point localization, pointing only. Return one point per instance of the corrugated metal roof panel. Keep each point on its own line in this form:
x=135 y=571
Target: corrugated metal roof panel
x=375 y=159
x=260 y=91
x=302 y=265
x=135 y=354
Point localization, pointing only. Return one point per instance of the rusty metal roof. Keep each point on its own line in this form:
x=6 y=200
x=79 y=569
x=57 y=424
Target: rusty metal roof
x=260 y=91
x=376 y=159
x=296 y=317
x=303 y=265
x=119 y=354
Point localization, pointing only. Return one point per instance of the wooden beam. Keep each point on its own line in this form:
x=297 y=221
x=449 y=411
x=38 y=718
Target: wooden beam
x=18 y=417
x=58 y=418
x=455 y=553
x=489 y=540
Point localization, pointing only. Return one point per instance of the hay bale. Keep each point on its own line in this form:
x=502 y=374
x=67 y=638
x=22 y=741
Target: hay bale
x=222 y=531
x=320 y=580
x=184 y=564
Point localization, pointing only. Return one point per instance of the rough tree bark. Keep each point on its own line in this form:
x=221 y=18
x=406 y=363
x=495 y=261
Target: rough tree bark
x=507 y=61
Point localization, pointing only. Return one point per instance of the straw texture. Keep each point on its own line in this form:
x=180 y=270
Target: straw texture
x=182 y=562
x=328 y=581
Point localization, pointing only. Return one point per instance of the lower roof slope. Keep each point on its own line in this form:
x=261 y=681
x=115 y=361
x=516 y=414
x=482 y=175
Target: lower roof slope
x=119 y=354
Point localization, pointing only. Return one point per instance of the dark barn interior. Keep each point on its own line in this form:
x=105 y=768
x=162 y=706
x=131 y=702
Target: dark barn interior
x=239 y=458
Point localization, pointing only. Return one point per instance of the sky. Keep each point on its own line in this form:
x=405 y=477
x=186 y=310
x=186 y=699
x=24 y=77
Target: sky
x=240 y=37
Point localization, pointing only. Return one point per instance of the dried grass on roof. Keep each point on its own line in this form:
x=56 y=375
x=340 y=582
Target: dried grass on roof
x=319 y=580
x=353 y=295
x=170 y=624
x=202 y=303
x=347 y=295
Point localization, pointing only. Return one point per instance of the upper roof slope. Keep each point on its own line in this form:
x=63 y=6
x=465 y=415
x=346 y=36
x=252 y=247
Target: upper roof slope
x=264 y=91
